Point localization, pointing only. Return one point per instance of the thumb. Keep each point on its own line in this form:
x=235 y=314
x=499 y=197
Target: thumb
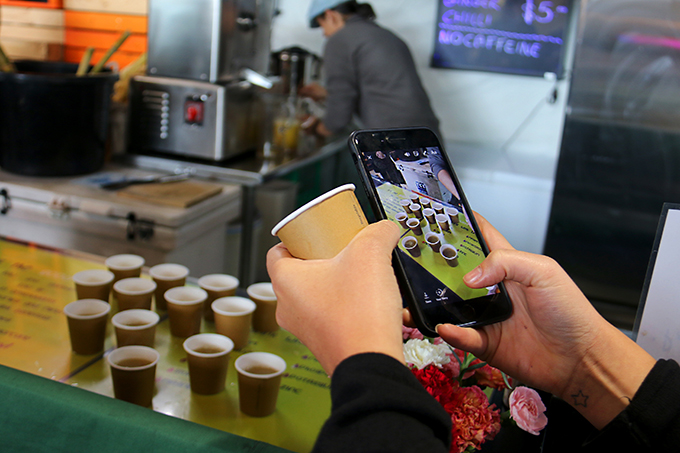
x=502 y=264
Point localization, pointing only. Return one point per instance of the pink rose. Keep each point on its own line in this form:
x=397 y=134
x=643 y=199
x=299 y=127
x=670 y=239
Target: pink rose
x=526 y=408
x=409 y=333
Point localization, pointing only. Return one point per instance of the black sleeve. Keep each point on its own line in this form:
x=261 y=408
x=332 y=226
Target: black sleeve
x=379 y=406
x=651 y=422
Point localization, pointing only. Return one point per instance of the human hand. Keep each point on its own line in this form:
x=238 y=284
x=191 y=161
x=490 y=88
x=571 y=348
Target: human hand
x=342 y=306
x=555 y=340
x=313 y=91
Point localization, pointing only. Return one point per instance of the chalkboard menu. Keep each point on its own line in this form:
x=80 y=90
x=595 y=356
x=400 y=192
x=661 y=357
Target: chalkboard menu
x=511 y=36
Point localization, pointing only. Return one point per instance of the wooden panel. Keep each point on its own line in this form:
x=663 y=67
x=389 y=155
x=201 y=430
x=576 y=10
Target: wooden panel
x=32 y=33
x=104 y=40
x=105 y=21
x=109 y=6
x=32 y=16
x=42 y=51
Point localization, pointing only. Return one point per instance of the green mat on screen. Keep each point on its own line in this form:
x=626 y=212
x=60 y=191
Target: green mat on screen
x=40 y=415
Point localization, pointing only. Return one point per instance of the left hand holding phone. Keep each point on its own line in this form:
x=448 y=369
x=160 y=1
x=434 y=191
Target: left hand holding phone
x=342 y=306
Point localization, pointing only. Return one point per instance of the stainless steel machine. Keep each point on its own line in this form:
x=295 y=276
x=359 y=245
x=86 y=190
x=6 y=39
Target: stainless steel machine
x=194 y=100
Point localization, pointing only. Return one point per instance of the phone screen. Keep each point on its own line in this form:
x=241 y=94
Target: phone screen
x=410 y=182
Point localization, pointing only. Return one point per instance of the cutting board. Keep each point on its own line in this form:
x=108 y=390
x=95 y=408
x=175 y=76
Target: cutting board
x=180 y=194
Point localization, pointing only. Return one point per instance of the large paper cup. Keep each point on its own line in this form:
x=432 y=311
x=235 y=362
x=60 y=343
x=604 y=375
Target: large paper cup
x=87 y=321
x=216 y=285
x=93 y=284
x=135 y=327
x=185 y=310
x=264 y=317
x=134 y=292
x=133 y=372
x=125 y=266
x=259 y=379
x=233 y=317
x=166 y=276
x=324 y=226
x=208 y=358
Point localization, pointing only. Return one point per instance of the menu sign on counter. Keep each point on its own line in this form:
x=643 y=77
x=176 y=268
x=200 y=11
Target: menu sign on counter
x=525 y=37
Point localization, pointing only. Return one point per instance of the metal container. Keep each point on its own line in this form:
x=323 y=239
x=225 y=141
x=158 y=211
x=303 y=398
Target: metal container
x=209 y=40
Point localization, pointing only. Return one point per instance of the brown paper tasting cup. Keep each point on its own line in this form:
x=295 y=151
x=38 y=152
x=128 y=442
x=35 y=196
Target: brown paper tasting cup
x=135 y=327
x=324 y=226
x=185 y=310
x=133 y=372
x=166 y=276
x=208 y=358
x=259 y=379
x=125 y=266
x=264 y=317
x=233 y=318
x=216 y=285
x=134 y=292
x=87 y=321
x=93 y=284
x=450 y=254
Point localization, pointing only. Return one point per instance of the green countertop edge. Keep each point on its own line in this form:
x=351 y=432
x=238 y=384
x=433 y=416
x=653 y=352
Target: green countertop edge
x=41 y=415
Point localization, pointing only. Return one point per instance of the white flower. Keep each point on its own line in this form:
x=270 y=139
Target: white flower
x=421 y=353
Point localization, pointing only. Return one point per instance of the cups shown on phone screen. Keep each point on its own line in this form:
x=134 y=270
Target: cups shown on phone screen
x=324 y=226
x=259 y=379
x=411 y=245
x=133 y=372
x=87 y=319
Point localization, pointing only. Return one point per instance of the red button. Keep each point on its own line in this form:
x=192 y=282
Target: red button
x=193 y=112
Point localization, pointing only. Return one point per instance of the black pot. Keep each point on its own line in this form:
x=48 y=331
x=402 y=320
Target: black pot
x=53 y=123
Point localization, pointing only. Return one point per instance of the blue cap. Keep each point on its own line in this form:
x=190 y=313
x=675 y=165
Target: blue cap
x=319 y=7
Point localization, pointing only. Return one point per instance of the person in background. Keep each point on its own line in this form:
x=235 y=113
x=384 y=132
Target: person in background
x=370 y=73
x=348 y=312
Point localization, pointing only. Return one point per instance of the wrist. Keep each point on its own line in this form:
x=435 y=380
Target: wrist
x=607 y=378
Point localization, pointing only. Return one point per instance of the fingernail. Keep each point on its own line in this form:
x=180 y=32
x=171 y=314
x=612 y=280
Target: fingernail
x=473 y=276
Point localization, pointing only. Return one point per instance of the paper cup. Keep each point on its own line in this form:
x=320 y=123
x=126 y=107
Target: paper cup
x=259 y=379
x=135 y=327
x=453 y=215
x=438 y=207
x=406 y=206
x=425 y=202
x=93 y=284
x=233 y=318
x=417 y=210
x=185 y=310
x=134 y=292
x=402 y=218
x=87 y=320
x=324 y=226
x=443 y=222
x=125 y=266
x=264 y=316
x=415 y=198
x=411 y=245
x=166 y=276
x=208 y=358
x=133 y=372
x=450 y=254
x=216 y=285
x=414 y=226
x=433 y=241
x=429 y=214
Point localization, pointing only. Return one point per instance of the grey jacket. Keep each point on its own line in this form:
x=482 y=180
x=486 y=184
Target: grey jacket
x=370 y=72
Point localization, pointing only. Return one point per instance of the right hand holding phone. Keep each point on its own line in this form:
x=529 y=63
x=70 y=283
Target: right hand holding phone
x=555 y=340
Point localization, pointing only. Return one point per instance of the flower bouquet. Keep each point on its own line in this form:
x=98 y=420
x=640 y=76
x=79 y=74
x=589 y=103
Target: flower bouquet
x=458 y=380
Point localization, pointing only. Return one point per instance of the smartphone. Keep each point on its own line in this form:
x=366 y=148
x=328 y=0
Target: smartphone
x=409 y=180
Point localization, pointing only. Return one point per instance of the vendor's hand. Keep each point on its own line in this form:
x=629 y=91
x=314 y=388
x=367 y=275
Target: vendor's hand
x=555 y=340
x=313 y=91
x=342 y=306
